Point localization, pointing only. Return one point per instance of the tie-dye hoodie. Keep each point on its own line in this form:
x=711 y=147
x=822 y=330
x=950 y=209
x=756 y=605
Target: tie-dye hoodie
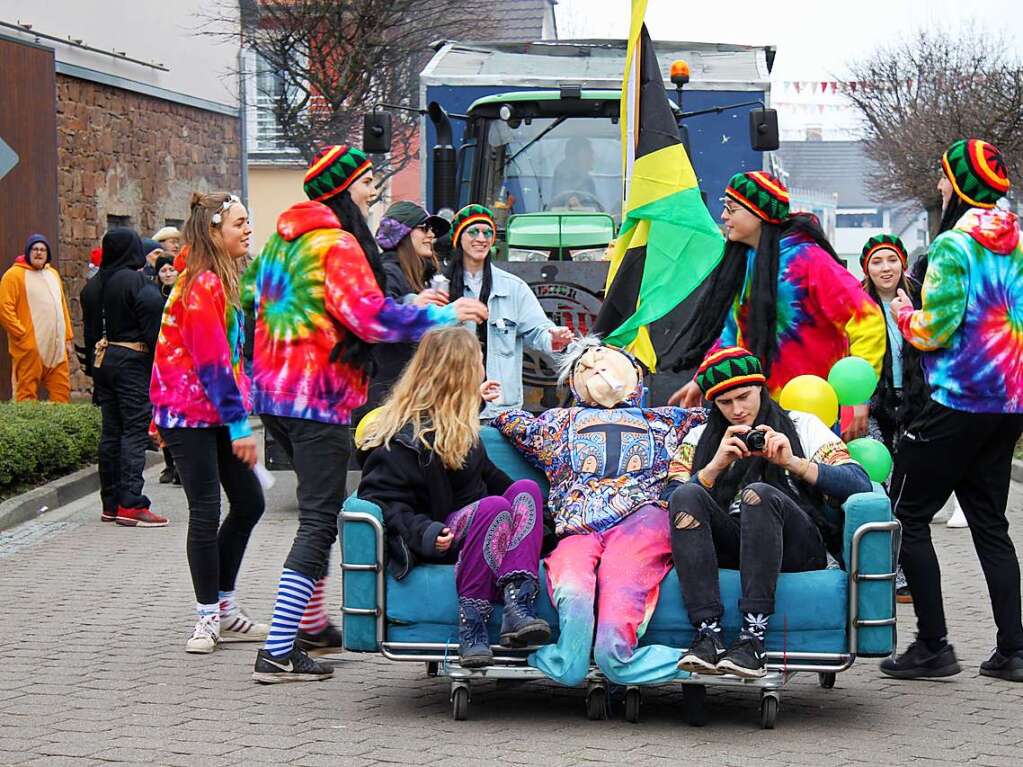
x=602 y=464
x=971 y=318
x=198 y=381
x=823 y=314
x=309 y=287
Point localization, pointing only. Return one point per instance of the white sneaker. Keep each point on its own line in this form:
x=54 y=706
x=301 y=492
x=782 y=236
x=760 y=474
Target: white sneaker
x=239 y=627
x=206 y=635
x=958 y=519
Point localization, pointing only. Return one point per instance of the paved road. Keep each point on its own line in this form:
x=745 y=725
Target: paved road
x=95 y=618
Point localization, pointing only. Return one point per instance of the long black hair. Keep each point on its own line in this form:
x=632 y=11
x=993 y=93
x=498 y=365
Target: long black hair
x=726 y=282
x=957 y=208
x=353 y=350
x=756 y=468
x=455 y=272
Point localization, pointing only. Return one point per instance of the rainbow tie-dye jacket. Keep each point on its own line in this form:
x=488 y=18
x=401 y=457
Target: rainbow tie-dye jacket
x=971 y=316
x=823 y=314
x=310 y=286
x=198 y=380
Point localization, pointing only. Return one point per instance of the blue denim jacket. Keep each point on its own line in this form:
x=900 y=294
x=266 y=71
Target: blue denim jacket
x=516 y=318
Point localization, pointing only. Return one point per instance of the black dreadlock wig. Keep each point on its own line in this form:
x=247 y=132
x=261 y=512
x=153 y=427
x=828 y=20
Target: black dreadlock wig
x=957 y=208
x=455 y=272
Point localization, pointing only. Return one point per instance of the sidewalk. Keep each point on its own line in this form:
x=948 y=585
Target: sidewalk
x=96 y=616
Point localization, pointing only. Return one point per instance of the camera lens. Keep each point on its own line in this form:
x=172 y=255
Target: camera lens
x=755 y=440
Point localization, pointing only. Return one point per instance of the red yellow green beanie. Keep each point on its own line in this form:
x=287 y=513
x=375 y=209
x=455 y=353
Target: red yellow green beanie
x=977 y=172
x=466 y=217
x=334 y=169
x=761 y=194
x=728 y=368
x=883 y=242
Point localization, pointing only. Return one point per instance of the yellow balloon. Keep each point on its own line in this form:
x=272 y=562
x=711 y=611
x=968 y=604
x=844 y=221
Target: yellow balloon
x=364 y=422
x=811 y=394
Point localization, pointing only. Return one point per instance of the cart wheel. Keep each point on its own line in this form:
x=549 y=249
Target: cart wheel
x=768 y=712
x=693 y=696
x=596 y=703
x=431 y=668
x=826 y=679
x=633 y=700
x=460 y=704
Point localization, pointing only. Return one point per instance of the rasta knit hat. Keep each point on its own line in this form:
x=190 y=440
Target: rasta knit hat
x=761 y=194
x=334 y=169
x=883 y=242
x=728 y=368
x=466 y=217
x=977 y=172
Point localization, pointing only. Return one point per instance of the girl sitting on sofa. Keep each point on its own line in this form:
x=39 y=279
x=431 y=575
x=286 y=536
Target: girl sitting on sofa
x=444 y=501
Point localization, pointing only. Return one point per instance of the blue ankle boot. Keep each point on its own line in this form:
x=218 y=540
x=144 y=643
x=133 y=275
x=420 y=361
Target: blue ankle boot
x=473 y=638
x=520 y=625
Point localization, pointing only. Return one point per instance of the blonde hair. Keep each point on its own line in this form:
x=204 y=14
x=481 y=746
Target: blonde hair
x=439 y=394
x=204 y=252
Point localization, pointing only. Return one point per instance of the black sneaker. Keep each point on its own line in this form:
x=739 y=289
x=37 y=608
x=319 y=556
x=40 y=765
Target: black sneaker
x=167 y=476
x=704 y=654
x=746 y=658
x=325 y=641
x=293 y=667
x=920 y=663
x=1007 y=667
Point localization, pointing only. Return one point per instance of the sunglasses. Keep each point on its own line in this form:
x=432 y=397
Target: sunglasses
x=424 y=227
x=479 y=231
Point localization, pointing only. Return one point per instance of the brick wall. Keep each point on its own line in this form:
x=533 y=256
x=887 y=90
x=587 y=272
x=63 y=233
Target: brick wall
x=124 y=154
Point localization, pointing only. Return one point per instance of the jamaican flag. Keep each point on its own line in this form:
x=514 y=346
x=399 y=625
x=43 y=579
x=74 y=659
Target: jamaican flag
x=668 y=242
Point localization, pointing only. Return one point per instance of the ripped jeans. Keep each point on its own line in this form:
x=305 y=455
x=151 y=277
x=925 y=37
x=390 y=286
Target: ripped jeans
x=770 y=535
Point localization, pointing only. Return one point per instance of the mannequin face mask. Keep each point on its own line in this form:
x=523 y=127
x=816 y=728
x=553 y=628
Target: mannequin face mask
x=604 y=376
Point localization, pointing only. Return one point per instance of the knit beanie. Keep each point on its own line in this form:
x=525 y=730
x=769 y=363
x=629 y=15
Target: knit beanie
x=977 y=172
x=148 y=246
x=334 y=169
x=466 y=217
x=401 y=218
x=883 y=242
x=163 y=261
x=728 y=368
x=761 y=194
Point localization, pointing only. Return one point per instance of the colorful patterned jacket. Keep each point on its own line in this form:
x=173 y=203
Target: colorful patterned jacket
x=309 y=287
x=823 y=314
x=198 y=381
x=602 y=464
x=970 y=323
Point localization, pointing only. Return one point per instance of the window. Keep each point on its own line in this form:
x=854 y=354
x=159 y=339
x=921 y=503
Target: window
x=116 y=221
x=866 y=218
x=177 y=223
x=271 y=86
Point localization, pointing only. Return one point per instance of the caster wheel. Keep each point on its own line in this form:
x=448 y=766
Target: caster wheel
x=694 y=695
x=460 y=704
x=826 y=679
x=768 y=712
x=633 y=701
x=431 y=668
x=596 y=704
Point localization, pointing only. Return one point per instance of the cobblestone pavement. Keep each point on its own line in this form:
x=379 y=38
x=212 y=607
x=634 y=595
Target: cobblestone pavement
x=95 y=618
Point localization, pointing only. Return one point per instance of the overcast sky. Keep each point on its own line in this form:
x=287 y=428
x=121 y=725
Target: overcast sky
x=814 y=39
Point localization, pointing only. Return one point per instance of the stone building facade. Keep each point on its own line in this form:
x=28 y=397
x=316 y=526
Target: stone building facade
x=132 y=159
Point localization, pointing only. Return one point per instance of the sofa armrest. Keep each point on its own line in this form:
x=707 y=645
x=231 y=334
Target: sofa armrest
x=360 y=528
x=876 y=556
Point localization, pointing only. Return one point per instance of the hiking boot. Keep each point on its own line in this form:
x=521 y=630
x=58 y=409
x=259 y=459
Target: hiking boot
x=520 y=625
x=206 y=635
x=239 y=627
x=473 y=637
x=139 y=518
x=704 y=653
x=326 y=641
x=1001 y=666
x=918 y=662
x=746 y=658
x=296 y=666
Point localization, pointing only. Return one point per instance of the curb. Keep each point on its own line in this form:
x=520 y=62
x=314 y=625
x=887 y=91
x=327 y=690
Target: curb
x=53 y=495
x=1017 y=470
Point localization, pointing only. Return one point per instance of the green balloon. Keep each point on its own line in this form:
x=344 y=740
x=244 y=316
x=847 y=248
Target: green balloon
x=873 y=456
x=853 y=379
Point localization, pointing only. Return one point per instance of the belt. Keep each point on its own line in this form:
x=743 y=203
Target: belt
x=137 y=346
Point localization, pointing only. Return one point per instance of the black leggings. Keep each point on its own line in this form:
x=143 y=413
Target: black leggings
x=204 y=462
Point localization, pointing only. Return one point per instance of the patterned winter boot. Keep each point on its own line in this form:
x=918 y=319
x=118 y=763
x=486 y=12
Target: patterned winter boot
x=473 y=637
x=520 y=625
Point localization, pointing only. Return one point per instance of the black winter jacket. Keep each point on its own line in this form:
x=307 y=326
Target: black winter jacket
x=132 y=303
x=416 y=493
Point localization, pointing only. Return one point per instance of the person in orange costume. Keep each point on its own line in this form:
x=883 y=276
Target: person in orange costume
x=34 y=313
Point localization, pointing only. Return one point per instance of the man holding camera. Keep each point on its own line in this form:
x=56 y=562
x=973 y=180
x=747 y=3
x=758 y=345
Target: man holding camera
x=747 y=491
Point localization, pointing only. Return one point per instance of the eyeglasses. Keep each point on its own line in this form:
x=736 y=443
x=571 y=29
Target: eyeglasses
x=730 y=207
x=479 y=231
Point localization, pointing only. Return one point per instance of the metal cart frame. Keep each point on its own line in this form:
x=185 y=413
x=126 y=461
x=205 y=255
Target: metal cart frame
x=441 y=659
